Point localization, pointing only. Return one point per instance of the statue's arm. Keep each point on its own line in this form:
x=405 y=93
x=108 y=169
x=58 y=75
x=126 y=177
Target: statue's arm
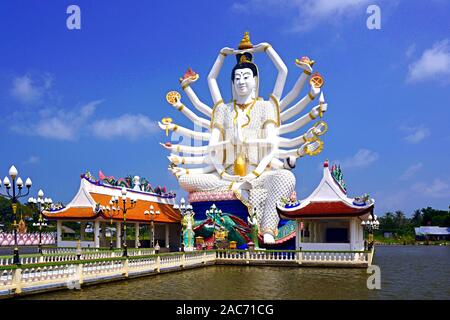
x=215 y=158
x=185 y=132
x=279 y=64
x=200 y=106
x=298 y=86
x=185 y=149
x=311 y=148
x=187 y=160
x=316 y=112
x=267 y=159
x=178 y=171
x=311 y=135
x=214 y=73
x=299 y=106
x=191 y=115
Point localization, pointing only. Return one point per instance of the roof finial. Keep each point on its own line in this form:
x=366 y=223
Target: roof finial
x=325 y=164
x=245 y=42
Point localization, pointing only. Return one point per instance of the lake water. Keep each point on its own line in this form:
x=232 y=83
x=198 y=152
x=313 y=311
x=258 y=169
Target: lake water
x=407 y=272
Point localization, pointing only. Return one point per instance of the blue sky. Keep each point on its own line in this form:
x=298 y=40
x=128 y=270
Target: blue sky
x=87 y=100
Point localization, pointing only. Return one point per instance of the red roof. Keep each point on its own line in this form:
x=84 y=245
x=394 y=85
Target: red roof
x=324 y=209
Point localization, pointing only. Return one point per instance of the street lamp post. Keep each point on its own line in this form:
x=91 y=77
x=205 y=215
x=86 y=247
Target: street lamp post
x=370 y=225
x=14 y=195
x=132 y=201
x=112 y=211
x=41 y=204
x=184 y=209
x=152 y=214
x=214 y=211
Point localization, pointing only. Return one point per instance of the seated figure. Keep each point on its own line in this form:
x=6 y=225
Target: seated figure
x=243 y=151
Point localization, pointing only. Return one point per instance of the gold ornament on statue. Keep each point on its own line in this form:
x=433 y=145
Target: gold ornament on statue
x=172 y=97
x=240 y=166
x=167 y=122
x=316 y=80
x=245 y=42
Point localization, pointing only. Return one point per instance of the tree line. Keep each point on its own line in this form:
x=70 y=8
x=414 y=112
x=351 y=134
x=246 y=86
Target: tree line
x=398 y=224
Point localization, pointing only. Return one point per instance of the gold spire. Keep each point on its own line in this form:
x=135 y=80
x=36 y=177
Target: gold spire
x=245 y=42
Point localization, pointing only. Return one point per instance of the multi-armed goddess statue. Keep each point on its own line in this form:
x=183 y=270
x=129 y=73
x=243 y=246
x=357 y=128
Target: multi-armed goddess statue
x=245 y=150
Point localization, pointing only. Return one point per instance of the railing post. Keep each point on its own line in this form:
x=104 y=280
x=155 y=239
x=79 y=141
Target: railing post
x=247 y=257
x=158 y=264
x=17 y=280
x=183 y=260
x=125 y=268
x=204 y=257
x=79 y=273
x=299 y=256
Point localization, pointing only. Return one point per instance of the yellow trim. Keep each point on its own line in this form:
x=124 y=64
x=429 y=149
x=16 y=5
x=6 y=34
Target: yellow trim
x=267 y=47
x=249 y=109
x=235 y=110
x=223 y=54
x=185 y=86
x=222 y=173
x=311 y=115
x=269 y=121
x=217 y=103
x=214 y=110
x=256 y=173
x=178 y=148
x=183 y=160
x=311 y=96
x=277 y=105
x=181 y=107
x=222 y=132
x=187 y=171
x=175 y=128
x=307 y=72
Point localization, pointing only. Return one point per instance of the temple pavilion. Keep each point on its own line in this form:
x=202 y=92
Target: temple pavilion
x=328 y=219
x=91 y=205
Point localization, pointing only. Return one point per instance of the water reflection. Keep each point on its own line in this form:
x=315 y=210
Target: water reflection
x=415 y=272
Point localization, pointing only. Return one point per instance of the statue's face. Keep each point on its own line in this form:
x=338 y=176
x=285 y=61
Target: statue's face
x=244 y=81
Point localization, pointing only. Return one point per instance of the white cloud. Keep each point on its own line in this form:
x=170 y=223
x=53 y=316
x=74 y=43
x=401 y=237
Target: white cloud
x=436 y=189
x=411 y=171
x=59 y=124
x=128 y=126
x=433 y=64
x=32 y=160
x=362 y=158
x=304 y=14
x=415 y=134
x=30 y=90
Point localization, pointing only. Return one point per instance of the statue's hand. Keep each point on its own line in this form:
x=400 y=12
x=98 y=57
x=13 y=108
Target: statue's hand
x=174 y=159
x=319 y=110
x=227 y=51
x=260 y=47
x=230 y=177
x=249 y=177
x=166 y=126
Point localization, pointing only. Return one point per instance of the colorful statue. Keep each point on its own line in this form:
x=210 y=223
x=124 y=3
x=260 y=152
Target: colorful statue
x=253 y=223
x=188 y=232
x=244 y=143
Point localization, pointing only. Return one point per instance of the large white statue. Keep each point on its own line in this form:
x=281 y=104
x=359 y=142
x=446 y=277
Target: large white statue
x=244 y=136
